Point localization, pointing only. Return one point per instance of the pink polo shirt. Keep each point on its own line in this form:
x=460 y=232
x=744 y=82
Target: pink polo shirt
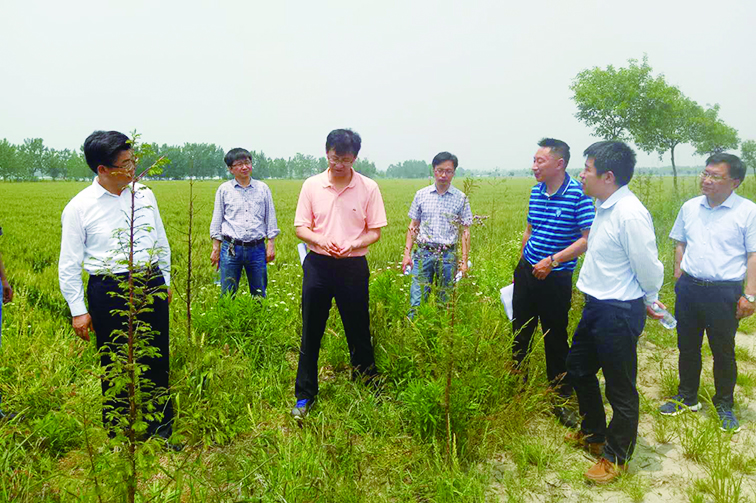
x=342 y=216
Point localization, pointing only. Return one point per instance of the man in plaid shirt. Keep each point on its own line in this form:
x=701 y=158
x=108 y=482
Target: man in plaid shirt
x=243 y=218
x=436 y=214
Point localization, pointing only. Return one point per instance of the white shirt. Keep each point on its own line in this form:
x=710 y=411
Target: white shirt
x=717 y=239
x=92 y=221
x=622 y=260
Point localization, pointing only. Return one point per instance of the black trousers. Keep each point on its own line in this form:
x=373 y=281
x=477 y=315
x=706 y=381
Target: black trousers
x=549 y=300
x=346 y=280
x=607 y=338
x=710 y=308
x=101 y=303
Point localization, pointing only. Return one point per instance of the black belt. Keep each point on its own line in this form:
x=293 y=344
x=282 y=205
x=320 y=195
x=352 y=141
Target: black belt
x=151 y=269
x=707 y=283
x=622 y=304
x=438 y=247
x=239 y=242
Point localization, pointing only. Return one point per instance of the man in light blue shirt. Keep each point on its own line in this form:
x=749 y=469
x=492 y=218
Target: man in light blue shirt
x=436 y=216
x=243 y=218
x=715 y=253
x=620 y=277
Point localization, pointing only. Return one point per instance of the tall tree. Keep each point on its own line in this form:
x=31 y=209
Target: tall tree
x=612 y=101
x=712 y=135
x=748 y=154
x=670 y=120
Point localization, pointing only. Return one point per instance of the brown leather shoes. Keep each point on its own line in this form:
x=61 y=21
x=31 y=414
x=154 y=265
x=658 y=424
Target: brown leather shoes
x=579 y=439
x=605 y=471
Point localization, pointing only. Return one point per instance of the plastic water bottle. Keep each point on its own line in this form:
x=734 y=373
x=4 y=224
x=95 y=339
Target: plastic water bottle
x=459 y=273
x=669 y=322
x=217 y=278
x=408 y=270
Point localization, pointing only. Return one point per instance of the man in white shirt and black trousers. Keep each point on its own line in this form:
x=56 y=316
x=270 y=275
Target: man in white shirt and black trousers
x=714 y=254
x=93 y=221
x=620 y=277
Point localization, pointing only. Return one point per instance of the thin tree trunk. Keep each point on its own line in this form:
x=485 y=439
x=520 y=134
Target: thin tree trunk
x=674 y=168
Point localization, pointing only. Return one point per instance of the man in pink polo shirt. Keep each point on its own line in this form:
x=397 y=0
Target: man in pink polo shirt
x=339 y=214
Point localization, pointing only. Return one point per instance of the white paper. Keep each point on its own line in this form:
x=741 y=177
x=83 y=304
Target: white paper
x=506 y=298
x=302 y=249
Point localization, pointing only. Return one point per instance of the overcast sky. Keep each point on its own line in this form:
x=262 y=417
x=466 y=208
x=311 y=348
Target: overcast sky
x=484 y=80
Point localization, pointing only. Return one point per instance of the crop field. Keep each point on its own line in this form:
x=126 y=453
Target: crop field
x=450 y=424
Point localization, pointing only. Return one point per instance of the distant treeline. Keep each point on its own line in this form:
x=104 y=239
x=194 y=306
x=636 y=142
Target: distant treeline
x=32 y=160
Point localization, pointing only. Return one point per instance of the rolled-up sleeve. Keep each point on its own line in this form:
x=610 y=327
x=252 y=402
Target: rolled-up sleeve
x=70 y=261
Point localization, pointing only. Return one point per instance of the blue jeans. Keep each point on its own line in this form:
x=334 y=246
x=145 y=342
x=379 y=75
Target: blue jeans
x=429 y=266
x=252 y=259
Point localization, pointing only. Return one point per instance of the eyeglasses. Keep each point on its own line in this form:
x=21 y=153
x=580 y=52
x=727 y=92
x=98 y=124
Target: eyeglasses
x=448 y=172
x=712 y=177
x=344 y=161
x=239 y=164
x=129 y=164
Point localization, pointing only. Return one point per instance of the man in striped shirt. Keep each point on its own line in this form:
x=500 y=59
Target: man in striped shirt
x=559 y=219
x=243 y=218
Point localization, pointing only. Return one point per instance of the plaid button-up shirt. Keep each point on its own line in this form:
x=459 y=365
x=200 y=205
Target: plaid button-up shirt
x=244 y=213
x=440 y=214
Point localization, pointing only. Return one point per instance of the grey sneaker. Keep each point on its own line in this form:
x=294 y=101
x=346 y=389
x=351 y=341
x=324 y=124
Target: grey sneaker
x=677 y=405
x=301 y=409
x=729 y=421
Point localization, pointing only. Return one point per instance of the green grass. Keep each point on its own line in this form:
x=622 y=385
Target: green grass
x=233 y=375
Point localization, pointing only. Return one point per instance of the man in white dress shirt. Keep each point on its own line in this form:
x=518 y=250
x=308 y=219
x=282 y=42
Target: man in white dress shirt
x=620 y=277
x=715 y=252
x=95 y=228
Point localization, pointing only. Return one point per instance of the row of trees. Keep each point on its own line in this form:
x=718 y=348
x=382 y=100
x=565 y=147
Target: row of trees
x=630 y=104
x=32 y=160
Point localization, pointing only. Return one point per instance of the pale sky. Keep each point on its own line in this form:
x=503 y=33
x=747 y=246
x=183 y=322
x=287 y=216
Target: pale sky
x=484 y=80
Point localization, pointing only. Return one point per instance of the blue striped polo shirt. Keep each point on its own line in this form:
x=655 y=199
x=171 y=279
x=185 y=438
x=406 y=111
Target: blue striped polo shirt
x=557 y=221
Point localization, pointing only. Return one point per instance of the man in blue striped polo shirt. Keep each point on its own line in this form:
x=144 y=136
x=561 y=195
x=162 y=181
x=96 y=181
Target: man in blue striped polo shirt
x=559 y=219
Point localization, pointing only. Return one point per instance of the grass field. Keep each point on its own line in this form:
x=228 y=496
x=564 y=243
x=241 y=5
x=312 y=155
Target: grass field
x=233 y=378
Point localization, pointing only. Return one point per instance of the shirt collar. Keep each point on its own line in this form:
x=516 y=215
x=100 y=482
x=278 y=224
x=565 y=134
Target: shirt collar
x=100 y=190
x=450 y=190
x=561 y=189
x=327 y=183
x=620 y=193
x=237 y=184
x=727 y=203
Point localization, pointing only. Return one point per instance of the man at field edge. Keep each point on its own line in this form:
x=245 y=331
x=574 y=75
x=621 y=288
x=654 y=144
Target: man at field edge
x=435 y=214
x=94 y=222
x=715 y=252
x=339 y=214
x=621 y=277
x=559 y=220
x=243 y=218
x=6 y=295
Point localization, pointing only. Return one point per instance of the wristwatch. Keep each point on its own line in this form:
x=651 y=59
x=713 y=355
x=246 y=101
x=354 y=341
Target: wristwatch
x=554 y=262
x=750 y=298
